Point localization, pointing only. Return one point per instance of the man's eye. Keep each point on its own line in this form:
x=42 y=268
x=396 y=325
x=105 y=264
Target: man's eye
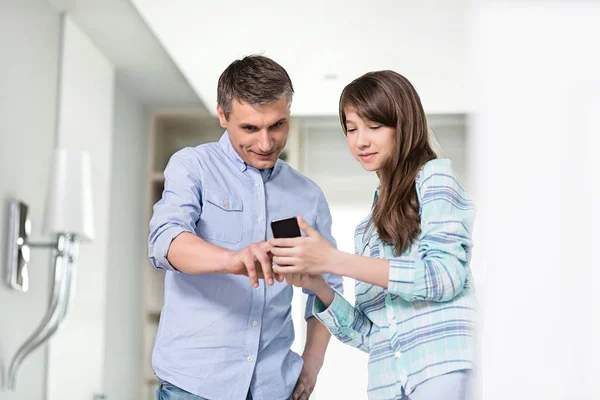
x=277 y=125
x=250 y=128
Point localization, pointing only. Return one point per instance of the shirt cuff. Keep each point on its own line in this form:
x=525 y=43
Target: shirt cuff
x=310 y=303
x=402 y=276
x=162 y=244
x=340 y=312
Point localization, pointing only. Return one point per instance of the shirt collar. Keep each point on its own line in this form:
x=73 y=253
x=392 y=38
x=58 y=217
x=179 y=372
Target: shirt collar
x=227 y=147
x=375 y=197
x=225 y=143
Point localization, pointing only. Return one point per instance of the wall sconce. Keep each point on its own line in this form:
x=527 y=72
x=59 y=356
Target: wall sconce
x=69 y=219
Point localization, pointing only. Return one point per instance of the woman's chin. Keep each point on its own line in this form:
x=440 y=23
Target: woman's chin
x=369 y=166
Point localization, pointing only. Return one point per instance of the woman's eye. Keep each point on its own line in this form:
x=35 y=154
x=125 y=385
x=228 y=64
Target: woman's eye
x=350 y=130
x=375 y=127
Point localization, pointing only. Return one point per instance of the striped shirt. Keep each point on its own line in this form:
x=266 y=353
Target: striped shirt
x=423 y=325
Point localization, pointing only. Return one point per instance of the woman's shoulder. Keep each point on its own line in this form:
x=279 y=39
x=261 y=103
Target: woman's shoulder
x=438 y=172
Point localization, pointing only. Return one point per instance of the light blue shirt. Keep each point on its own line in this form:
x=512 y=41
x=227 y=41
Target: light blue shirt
x=218 y=337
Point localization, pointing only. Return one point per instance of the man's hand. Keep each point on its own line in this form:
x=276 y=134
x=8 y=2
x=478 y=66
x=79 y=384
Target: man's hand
x=254 y=261
x=308 y=378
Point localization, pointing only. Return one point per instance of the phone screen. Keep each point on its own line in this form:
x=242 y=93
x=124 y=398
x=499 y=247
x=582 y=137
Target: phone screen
x=285 y=228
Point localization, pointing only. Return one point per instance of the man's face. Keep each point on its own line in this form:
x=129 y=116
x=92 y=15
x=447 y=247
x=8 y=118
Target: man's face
x=258 y=133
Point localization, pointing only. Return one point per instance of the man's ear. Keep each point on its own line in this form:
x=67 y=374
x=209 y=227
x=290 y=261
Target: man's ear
x=222 y=118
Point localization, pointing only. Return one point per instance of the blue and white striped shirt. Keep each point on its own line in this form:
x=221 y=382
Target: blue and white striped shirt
x=423 y=325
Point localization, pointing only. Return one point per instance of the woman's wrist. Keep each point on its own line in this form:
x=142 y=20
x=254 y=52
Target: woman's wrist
x=325 y=293
x=336 y=262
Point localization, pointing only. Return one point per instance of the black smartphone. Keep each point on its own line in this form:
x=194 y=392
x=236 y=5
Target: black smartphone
x=285 y=228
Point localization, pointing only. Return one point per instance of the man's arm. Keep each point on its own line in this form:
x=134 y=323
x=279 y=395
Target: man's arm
x=317 y=339
x=173 y=244
x=190 y=254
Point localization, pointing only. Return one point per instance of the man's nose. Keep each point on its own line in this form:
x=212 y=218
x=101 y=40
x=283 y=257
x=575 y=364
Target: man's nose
x=265 y=142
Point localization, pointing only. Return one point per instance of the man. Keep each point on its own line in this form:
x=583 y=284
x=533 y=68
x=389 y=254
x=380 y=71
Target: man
x=221 y=337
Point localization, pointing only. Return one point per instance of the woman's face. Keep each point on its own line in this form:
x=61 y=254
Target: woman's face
x=371 y=143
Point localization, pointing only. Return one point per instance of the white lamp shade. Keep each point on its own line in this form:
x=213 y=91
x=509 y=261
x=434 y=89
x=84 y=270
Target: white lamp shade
x=69 y=206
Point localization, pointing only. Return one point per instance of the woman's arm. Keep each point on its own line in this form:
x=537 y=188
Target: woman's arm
x=344 y=321
x=375 y=271
x=440 y=270
x=437 y=271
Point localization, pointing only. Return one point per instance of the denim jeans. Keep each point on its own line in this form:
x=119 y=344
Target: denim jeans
x=167 y=391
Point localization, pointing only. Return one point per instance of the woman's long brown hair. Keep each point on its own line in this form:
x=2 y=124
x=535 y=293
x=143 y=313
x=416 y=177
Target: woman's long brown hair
x=388 y=98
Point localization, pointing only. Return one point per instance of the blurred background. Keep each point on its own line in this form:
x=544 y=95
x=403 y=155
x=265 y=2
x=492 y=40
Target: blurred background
x=511 y=89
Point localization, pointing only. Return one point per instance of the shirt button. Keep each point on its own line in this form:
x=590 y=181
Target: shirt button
x=259 y=219
x=256 y=183
x=254 y=323
x=398 y=354
x=249 y=359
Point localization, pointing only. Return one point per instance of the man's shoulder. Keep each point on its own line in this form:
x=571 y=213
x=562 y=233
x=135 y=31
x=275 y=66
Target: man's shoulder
x=297 y=179
x=198 y=152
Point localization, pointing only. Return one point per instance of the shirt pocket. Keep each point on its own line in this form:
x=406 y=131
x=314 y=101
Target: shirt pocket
x=221 y=218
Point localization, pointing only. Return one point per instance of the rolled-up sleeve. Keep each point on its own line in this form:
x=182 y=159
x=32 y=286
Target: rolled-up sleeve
x=439 y=271
x=345 y=322
x=323 y=226
x=177 y=211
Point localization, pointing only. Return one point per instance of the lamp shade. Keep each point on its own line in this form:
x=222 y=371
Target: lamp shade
x=69 y=205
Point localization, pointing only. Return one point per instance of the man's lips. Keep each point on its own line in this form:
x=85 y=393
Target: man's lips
x=264 y=155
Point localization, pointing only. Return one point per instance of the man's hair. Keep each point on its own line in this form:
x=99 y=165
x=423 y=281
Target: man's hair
x=256 y=80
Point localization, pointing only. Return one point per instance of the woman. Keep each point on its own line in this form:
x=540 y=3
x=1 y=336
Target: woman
x=415 y=305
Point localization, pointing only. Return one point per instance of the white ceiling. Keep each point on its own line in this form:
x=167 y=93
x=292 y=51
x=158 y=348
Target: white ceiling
x=140 y=61
x=425 y=40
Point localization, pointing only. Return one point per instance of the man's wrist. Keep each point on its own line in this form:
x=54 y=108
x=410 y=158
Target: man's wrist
x=226 y=261
x=314 y=357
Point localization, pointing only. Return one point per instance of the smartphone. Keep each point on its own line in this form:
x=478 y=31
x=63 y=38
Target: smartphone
x=285 y=228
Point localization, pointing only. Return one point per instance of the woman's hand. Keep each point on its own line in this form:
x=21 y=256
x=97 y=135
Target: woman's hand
x=313 y=283
x=310 y=255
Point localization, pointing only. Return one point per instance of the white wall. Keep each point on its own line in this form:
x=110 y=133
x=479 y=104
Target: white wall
x=28 y=71
x=127 y=247
x=105 y=312
x=76 y=356
x=535 y=160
